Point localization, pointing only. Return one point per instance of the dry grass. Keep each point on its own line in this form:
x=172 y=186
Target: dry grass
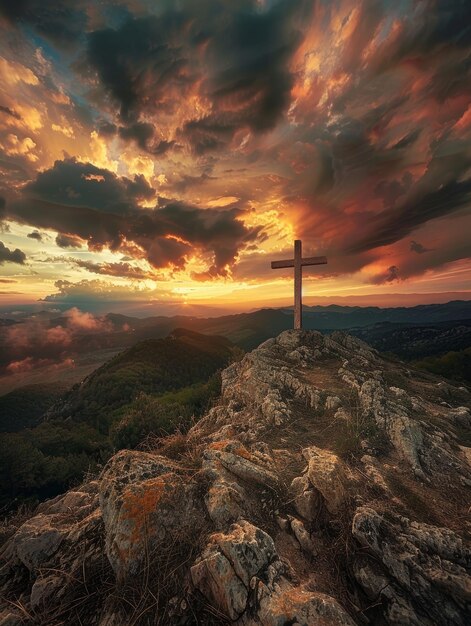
x=12 y=520
x=160 y=593
x=176 y=446
x=84 y=593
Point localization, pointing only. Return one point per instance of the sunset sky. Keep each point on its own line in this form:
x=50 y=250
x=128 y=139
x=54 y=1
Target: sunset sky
x=160 y=153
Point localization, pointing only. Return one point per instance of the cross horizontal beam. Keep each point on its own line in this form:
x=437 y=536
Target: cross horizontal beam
x=298 y=262
x=311 y=260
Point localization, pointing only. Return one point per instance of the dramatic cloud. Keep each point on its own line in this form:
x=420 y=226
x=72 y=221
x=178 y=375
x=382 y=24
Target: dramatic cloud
x=61 y=21
x=8 y=111
x=101 y=208
x=191 y=141
x=68 y=241
x=11 y=256
x=83 y=185
x=121 y=269
x=35 y=235
x=246 y=81
x=415 y=246
x=389 y=276
x=84 y=292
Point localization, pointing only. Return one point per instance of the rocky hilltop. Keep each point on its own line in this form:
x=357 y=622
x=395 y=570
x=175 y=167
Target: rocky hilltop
x=328 y=485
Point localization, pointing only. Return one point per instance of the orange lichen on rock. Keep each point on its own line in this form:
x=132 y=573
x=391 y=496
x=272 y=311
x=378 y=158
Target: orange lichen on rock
x=140 y=501
x=288 y=602
x=244 y=453
x=219 y=445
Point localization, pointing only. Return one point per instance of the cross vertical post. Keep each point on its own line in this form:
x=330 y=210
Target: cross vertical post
x=298 y=263
x=298 y=278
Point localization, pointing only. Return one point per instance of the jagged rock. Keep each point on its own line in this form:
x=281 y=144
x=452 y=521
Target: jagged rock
x=43 y=589
x=245 y=559
x=295 y=605
x=373 y=472
x=237 y=460
x=228 y=464
x=303 y=536
x=306 y=499
x=327 y=475
x=462 y=416
x=429 y=565
x=144 y=502
x=53 y=551
x=83 y=500
x=225 y=502
x=230 y=560
x=37 y=540
x=392 y=416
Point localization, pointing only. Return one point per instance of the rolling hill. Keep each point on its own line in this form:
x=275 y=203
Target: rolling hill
x=151 y=366
x=153 y=388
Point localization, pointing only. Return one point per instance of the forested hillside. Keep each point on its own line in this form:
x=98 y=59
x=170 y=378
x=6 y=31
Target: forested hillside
x=152 y=388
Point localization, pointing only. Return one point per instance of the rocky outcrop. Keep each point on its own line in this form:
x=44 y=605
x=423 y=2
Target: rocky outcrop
x=144 y=501
x=243 y=576
x=423 y=576
x=328 y=486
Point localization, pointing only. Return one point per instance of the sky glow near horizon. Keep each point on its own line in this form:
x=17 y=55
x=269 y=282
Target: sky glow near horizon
x=166 y=152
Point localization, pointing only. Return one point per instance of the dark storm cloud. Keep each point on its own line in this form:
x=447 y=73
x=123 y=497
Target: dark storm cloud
x=392 y=225
x=35 y=235
x=235 y=56
x=144 y=55
x=391 y=190
x=11 y=256
x=92 y=204
x=389 y=276
x=61 y=21
x=254 y=52
x=375 y=145
x=85 y=185
x=107 y=129
x=143 y=134
x=434 y=25
x=208 y=134
x=417 y=247
x=121 y=269
x=11 y=112
x=68 y=241
x=444 y=189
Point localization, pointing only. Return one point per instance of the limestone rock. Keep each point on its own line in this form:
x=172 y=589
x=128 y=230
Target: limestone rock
x=303 y=536
x=230 y=560
x=326 y=474
x=294 y=605
x=245 y=559
x=307 y=500
x=143 y=502
x=237 y=460
x=427 y=564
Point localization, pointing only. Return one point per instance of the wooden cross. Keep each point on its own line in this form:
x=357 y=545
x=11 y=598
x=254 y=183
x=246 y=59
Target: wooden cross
x=298 y=263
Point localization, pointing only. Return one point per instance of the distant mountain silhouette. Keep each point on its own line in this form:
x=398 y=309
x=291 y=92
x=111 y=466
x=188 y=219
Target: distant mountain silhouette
x=248 y=330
